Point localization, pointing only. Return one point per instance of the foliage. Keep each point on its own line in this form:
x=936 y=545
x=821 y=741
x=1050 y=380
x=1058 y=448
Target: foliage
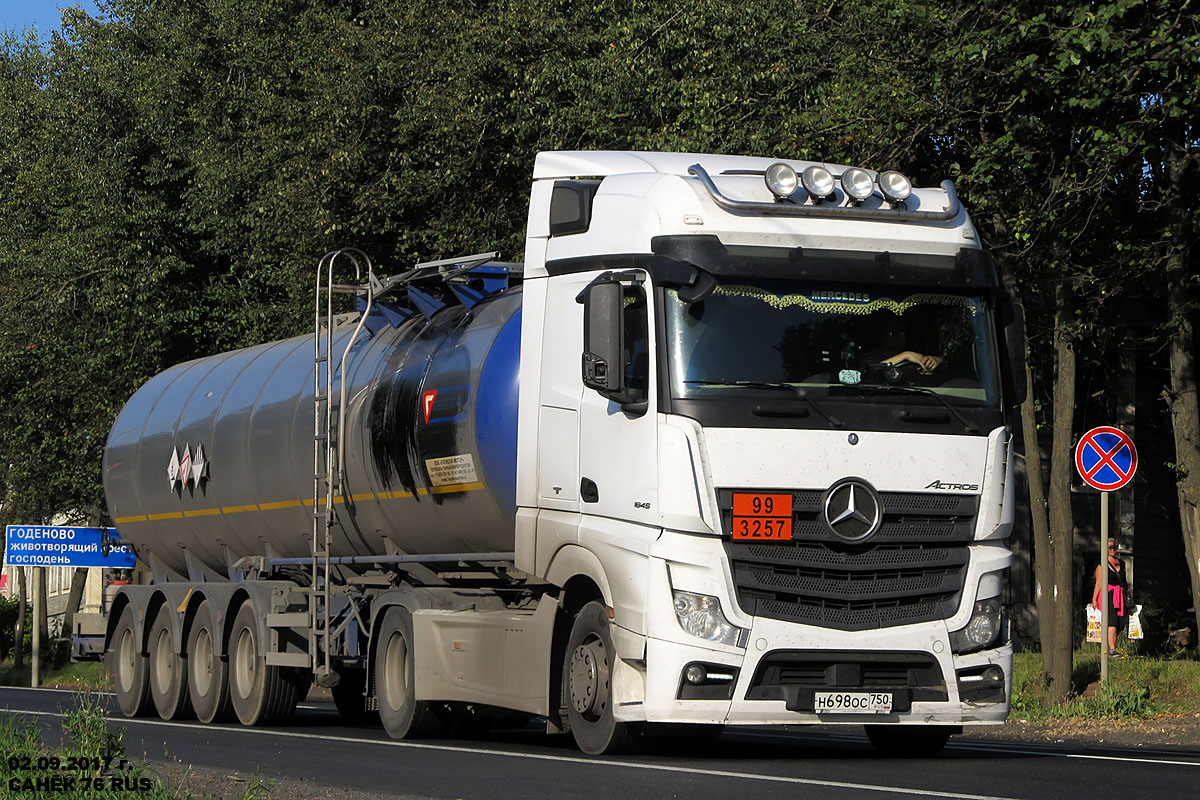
x=172 y=170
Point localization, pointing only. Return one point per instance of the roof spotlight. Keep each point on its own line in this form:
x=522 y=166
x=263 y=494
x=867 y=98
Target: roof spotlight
x=895 y=187
x=818 y=182
x=857 y=184
x=782 y=180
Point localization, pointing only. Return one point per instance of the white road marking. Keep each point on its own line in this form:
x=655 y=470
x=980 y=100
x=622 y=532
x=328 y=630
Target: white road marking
x=547 y=757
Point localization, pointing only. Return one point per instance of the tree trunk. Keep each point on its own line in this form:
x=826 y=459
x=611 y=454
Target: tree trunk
x=43 y=601
x=1043 y=551
x=78 y=582
x=1185 y=411
x=1061 y=521
x=1043 y=554
x=23 y=599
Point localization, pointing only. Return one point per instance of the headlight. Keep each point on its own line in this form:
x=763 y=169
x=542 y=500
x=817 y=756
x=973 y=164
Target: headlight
x=700 y=615
x=857 y=183
x=895 y=187
x=782 y=180
x=818 y=182
x=982 y=630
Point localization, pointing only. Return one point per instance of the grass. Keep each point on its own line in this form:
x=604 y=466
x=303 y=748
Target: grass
x=80 y=675
x=90 y=762
x=1137 y=688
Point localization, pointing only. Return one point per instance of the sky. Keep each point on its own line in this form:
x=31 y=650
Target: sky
x=17 y=15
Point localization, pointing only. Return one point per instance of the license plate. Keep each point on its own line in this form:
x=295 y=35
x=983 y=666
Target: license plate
x=852 y=702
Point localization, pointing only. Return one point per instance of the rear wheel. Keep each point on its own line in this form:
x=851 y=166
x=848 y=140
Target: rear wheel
x=910 y=741
x=208 y=673
x=588 y=670
x=402 y=715
x=261 y=694
x=127 y=667
x=168 y=670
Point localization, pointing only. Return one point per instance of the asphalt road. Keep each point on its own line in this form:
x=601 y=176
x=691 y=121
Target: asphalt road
x=766 y=764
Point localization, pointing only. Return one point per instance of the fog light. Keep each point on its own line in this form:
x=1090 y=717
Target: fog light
x=857 y=184
x=895 y=187
x=701 y=616
x=782 y=180
x=818 y=182
x=695 y=674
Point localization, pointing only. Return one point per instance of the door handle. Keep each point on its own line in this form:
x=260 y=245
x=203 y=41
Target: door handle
x=588 y=491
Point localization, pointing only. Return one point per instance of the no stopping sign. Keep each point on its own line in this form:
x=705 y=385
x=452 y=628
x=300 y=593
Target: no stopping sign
x=1106 y=458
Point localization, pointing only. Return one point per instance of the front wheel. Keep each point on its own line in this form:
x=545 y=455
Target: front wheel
x=910 y=741
x=588 y=669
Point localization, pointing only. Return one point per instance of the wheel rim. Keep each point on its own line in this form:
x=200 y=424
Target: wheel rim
x=395 y=666
x=201 y=660
x=245 y=663
x=589 y=678
x=125 y=660
x=164 y=668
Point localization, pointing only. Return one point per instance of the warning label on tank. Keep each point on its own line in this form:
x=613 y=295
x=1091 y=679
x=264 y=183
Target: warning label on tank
x=451 y=470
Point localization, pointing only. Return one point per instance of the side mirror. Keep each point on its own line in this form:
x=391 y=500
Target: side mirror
x=603 y=339
x=1012 y=321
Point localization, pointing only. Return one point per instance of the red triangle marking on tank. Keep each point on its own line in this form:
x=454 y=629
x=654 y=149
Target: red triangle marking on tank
x=427 y=402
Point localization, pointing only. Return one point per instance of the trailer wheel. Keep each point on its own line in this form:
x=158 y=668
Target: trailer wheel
x=587 y=680
x=402 y=715
x=207 y=672
x=127 y=668
x=168 y=670
x=261 y=694
x=910 y=741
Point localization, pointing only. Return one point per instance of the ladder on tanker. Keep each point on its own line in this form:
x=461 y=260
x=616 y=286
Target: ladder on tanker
x=329 y=439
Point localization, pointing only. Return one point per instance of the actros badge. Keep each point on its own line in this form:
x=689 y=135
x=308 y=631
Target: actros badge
x=853 y=510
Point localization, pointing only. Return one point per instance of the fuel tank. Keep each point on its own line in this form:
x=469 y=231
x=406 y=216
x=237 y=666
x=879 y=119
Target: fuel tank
x=213 y=459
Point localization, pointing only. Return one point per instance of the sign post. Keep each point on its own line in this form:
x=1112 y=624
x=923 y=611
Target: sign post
x=1106 y=460
x=40 y=546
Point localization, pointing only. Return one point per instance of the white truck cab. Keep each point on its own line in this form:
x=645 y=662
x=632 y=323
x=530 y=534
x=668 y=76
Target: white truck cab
x=762 y=431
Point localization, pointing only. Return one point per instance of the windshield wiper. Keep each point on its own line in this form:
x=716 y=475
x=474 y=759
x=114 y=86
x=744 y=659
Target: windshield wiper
x=884 y=388
x=796 y=390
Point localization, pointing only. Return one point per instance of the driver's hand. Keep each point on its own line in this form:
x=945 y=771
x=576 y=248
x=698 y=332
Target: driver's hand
x=929 y=363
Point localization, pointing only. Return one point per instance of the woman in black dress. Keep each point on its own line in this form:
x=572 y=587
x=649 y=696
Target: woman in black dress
x=1116 y=594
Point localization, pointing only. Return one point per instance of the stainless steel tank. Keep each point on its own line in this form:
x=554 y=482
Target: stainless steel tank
x=430 y=450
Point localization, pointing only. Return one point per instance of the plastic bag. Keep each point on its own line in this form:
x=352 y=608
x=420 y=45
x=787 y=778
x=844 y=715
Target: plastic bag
x=1135 y=623
x=1093 y=624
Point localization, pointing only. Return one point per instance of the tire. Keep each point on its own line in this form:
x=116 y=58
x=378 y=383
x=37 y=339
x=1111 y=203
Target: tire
x=127 y=667
x=587 y=684
x=207 y=672
x=402 y=715
x=168 y=670
x=349 y=697
x=261 y=694
x=910 y=741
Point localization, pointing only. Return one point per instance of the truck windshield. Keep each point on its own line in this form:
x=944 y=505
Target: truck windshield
x=750 y=336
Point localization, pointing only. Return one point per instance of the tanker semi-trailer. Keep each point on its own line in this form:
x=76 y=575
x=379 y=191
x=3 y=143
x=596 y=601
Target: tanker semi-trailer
x=729 y=448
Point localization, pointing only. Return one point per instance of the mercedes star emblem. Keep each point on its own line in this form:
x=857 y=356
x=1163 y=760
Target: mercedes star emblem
x=852 y=510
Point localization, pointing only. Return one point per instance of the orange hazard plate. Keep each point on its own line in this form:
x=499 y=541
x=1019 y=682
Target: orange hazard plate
x=774 y=528
x=762 y=516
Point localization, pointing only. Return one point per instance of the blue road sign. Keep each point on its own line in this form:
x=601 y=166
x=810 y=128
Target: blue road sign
x=1106 y=458
x=65 y=546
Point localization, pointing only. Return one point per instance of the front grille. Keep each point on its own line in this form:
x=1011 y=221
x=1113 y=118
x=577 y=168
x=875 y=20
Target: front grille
x=794 y=675
x=911 y=570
